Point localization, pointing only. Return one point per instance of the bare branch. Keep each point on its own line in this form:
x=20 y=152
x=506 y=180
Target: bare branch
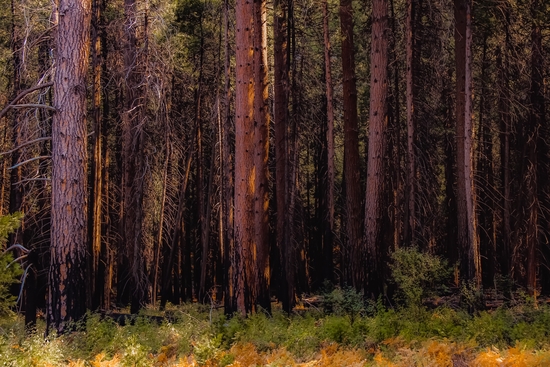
x=34 y=105
x=30 y=160
x=16 y=260
x=25 y=144
x=33 y=179
x=14 y=246
x=23 y=94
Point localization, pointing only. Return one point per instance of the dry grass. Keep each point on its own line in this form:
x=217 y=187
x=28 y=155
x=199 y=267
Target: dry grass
x=393 y=353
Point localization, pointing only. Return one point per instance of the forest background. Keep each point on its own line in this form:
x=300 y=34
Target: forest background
x=230 y=153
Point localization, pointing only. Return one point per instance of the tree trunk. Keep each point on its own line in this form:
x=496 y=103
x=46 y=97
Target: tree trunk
x=378 y=120
x=251 y=267
x=96 y=280
x=281 y=119
x=487 y=220
x=261 y=143
x=227 y=174
x=468 y=242
x=505 y=132
x=536 y=118
x=67 y=274
x=353 y=272
x=410 y=201
x=331 y=171
x=132 y=158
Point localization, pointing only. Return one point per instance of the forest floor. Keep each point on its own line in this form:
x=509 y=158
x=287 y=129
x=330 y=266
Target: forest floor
x=514 y=334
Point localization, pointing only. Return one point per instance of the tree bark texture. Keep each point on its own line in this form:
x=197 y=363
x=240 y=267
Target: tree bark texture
x=250 y=166
x=261 y=143
x=67 y=274
x=378 y=120
x=96 y=281
x=281 y=121
x=331 y=171
x=228 y=178
x=353 y=255
x=410 y=201
x=470 y=262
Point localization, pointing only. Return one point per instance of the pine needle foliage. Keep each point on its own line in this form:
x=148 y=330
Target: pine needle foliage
x=10 y=271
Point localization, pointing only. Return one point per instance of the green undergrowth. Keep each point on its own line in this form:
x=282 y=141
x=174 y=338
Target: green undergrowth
x=192 y=330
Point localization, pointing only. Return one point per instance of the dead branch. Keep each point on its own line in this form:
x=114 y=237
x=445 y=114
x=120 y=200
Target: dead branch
x=25 y=144
x=34 y=105
x=30 y=160
x=23 y=94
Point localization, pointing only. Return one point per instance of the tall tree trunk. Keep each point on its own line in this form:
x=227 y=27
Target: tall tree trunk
x=353 y=272
x=261 y=143
x=331 y=171
x=410 y=201
x=243 y=266
x=378 y=120
x=485 y=194
x=536 y=118
x=281 y=120
x=67 y=287
x=227 y=174
x=132 y=158
x=505 y=135
x=250 y=266
x=107 y=250
x=468 y=242
x=96 y=281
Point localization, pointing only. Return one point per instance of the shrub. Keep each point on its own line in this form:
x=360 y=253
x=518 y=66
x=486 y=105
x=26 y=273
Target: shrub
x=10 y=271
x=418 y=275
x=344 y=301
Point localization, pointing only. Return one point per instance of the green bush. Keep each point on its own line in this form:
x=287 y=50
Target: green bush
x=418 y=275
x=9 y=271
x=344 y=301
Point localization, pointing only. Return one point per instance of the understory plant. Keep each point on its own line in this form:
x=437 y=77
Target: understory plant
x=418 y=275
x=10 y=270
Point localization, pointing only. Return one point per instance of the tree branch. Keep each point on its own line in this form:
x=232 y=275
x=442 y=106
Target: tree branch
x=25 y=144
x=23 y=94
x=34 y=105
x=30 y=160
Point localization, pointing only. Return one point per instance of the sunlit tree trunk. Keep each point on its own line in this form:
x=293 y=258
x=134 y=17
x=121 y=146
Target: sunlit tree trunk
x=96 y=281
x=244 y=159
x=250 y=265
x=261 y=143
x=67 y=274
